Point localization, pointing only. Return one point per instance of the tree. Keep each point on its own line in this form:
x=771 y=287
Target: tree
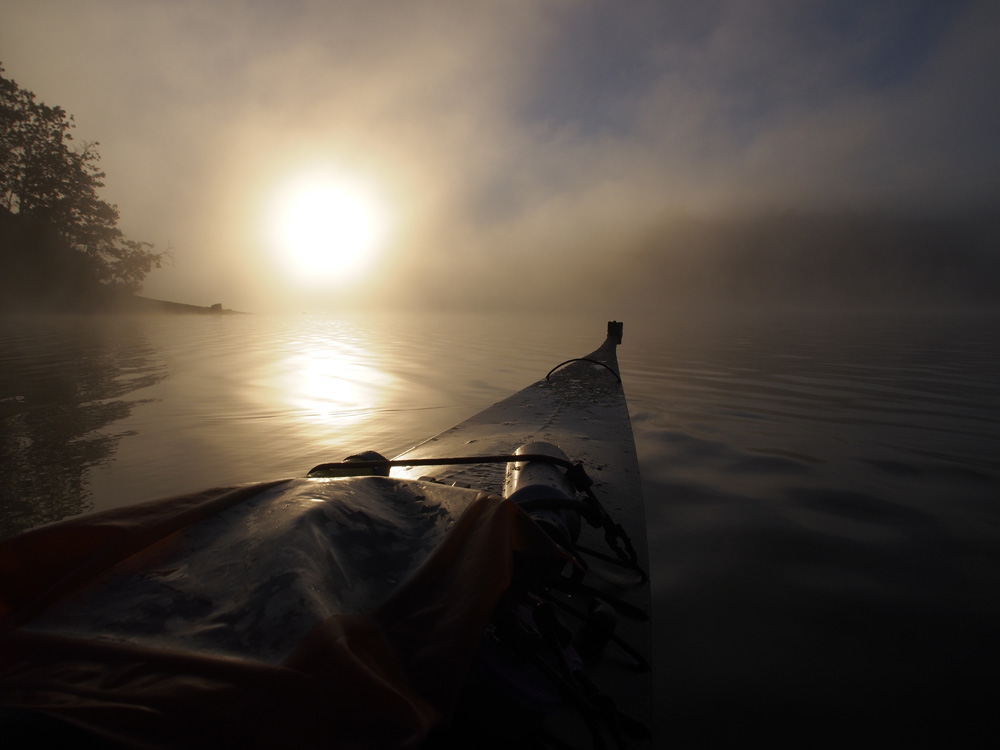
x=47 y=182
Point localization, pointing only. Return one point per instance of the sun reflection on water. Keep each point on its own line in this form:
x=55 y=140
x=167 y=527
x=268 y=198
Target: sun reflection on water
x=333 y=385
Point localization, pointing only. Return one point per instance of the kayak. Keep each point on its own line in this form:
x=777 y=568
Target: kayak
x=486 y=586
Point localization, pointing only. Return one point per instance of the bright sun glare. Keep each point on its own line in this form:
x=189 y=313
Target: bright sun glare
x=325 y=229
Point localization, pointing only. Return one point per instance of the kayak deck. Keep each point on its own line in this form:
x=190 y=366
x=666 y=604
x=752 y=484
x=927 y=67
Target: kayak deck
x=581 y=408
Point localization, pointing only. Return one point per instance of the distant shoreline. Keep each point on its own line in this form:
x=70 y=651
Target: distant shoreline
x=113 y=304
x=135 y=303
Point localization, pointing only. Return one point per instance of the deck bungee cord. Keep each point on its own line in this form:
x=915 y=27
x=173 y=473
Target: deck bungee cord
x=584 y=359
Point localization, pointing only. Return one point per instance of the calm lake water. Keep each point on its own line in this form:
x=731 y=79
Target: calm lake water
x=821 y=491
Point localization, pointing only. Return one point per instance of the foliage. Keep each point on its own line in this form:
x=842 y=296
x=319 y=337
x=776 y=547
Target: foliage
x=49 y=183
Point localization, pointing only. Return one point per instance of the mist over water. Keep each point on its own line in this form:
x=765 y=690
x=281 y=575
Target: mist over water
x=821 y=490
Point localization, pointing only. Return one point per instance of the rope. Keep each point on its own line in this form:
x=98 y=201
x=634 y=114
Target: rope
x=586 y=359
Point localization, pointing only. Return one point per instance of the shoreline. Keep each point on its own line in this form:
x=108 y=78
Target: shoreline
x=136 y=303
x=114 y=304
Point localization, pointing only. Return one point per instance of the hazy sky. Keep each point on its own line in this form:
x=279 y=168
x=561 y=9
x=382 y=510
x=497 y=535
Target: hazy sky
x=513 y=146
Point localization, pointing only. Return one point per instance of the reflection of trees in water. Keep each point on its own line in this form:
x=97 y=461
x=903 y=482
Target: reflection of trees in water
x=62 y=380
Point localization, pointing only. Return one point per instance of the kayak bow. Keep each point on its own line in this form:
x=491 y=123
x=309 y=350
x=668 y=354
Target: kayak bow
x=488 y=582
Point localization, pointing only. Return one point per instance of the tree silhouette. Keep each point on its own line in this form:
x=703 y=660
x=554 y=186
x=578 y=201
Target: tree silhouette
x=54 y=188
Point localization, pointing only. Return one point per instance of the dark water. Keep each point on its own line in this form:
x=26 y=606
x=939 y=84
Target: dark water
x=821 y=491
x=822 y=499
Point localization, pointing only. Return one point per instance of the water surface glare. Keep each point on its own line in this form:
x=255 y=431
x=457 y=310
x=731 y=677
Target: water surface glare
x=821 y=491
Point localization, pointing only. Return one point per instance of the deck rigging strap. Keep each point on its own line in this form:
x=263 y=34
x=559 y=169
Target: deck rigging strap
x=543 y=640
x=344 y=468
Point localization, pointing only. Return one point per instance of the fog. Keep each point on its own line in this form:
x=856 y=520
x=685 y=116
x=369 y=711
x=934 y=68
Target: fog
x=546 y=153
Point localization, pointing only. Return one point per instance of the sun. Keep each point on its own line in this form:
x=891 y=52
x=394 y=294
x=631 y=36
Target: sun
x=324 y=228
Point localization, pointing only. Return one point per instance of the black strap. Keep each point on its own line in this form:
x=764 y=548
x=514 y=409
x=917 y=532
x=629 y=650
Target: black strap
x=605 y=365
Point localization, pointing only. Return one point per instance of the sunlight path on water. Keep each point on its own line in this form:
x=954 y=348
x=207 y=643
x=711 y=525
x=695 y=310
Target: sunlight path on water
x=257 y=397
